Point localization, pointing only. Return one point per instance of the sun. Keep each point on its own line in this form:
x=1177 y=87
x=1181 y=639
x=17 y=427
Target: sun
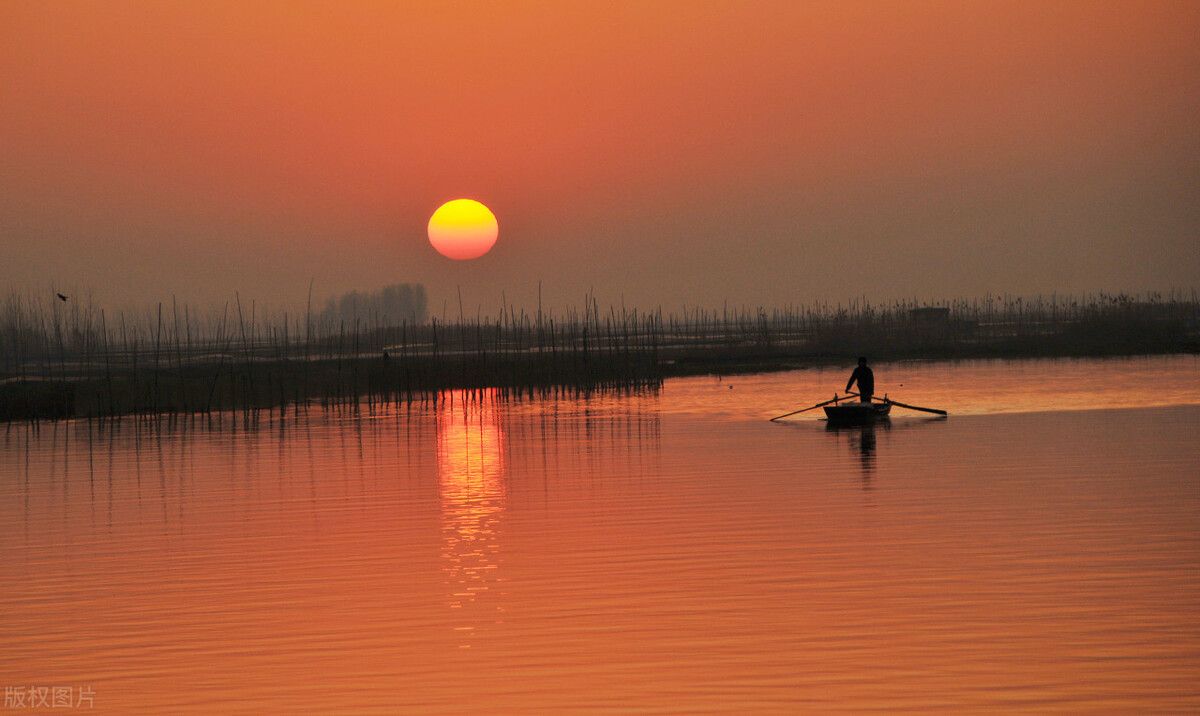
x=463 y=229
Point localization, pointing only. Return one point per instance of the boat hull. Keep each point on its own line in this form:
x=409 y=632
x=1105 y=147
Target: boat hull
x=857 y=413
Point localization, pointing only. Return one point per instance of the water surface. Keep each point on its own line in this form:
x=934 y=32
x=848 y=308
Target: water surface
x=1038 y=550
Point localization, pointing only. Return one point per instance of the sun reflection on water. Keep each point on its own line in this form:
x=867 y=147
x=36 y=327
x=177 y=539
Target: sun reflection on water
x=471 y=483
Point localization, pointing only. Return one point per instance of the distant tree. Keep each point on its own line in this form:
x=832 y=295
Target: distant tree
x=389 y=305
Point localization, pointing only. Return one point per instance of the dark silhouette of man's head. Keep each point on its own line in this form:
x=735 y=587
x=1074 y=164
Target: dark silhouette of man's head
x=862 y=360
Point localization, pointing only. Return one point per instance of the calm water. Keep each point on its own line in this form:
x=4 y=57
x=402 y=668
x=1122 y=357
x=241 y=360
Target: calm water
x=1038 y=550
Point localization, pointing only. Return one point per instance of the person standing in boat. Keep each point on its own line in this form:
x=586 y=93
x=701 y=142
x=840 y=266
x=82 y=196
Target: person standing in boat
x=865 y=379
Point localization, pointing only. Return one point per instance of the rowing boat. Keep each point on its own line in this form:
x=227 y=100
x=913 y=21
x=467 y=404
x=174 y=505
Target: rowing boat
x=854 y=413
x=843 y=410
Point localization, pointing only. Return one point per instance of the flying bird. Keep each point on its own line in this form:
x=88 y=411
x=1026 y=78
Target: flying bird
x=61 y=297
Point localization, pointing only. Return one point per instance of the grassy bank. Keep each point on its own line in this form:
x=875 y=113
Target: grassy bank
x=72 y=360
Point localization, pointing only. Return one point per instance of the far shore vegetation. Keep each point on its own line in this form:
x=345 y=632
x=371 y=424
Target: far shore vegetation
x=72 y=359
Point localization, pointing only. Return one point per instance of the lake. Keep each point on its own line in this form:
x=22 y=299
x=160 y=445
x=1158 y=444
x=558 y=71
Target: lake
x=664 y=552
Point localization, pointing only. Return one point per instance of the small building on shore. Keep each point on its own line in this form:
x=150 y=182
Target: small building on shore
x=930 y=315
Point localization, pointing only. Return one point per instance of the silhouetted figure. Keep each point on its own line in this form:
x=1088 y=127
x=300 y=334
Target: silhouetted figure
x=61 y=297
x=385 y=356
x=865 y=379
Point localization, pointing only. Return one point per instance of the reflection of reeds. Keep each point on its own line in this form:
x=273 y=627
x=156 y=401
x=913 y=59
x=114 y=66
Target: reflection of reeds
x=70 y=359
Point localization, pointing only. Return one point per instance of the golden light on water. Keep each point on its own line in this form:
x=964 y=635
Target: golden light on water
x=471 y=483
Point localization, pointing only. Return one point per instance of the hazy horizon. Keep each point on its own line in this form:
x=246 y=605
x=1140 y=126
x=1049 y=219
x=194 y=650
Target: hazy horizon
x=661 y=154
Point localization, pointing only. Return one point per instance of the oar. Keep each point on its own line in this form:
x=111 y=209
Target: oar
x=811 y=407
x=935 y=411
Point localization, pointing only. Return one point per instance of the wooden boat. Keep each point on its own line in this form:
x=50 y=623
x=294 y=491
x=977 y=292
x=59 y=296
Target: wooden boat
x=855 y=413
x=847 y=411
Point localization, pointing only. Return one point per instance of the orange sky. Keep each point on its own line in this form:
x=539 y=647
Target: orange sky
x=665 y=152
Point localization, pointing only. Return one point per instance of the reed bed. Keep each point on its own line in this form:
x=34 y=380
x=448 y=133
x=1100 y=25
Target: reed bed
x=72 y=359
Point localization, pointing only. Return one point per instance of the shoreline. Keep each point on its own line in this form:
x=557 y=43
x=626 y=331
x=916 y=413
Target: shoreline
x=66 y=362
x=253 y=384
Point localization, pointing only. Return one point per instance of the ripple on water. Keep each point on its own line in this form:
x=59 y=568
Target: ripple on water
x=639 y=553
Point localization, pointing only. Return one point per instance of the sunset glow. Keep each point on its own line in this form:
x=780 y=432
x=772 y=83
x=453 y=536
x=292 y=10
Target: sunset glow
x=463 y=229
x=839 y=356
